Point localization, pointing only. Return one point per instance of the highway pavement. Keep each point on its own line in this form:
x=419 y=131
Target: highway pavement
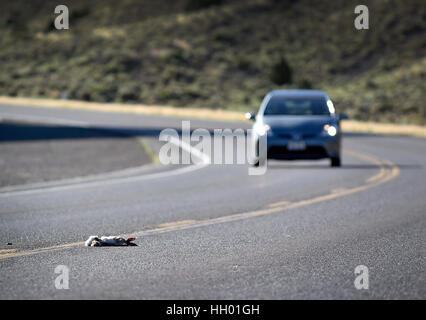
x=215 y=232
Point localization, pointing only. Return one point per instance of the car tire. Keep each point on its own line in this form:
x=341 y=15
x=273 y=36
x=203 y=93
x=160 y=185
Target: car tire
x=335 y=162
x=260 y=162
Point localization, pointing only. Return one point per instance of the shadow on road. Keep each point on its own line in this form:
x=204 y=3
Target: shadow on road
x=14 y=131
x=25 y=131
x=11 y=131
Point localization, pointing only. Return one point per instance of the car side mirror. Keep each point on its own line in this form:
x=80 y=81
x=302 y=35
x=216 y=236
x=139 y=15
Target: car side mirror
x=250 y=116
x=343 y=116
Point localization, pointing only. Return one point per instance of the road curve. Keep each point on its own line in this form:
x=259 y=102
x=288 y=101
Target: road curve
x=213 y=231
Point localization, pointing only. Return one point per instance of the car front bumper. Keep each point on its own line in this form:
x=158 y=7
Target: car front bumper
x=316 y=148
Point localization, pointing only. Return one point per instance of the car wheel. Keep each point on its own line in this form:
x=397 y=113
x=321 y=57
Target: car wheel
x=335 y=162
x=260 y=162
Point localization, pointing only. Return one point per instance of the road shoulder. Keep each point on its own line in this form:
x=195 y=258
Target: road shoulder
x=34 y=153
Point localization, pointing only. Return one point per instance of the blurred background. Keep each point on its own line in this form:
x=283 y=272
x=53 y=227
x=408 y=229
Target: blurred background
x=219 y=54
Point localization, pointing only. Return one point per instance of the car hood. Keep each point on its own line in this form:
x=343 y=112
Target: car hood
x=299 y=124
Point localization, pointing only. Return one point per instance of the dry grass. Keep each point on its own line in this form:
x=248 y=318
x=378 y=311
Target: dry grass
x=223 y=115
x=384 y=128
x=127 y=108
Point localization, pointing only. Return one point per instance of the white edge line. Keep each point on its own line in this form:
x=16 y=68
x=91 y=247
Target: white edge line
x=205 y=160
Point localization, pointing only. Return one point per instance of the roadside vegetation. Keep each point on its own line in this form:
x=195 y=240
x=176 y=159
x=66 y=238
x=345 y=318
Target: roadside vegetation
x=219 y=54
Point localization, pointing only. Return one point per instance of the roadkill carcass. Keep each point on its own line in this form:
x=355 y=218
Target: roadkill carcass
x=110 y=241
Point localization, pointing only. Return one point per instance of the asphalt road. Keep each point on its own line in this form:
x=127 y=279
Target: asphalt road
x=35 y=152
x=214 y=232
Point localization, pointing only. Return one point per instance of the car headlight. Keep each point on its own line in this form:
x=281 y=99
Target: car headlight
x=261 y=129
x=330 y=130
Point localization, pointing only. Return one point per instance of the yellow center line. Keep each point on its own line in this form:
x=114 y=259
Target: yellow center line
x=373 y=160
x=4 y=251
x=147 y=148
x=176 y=223
x=388 y=172
x=279 y=204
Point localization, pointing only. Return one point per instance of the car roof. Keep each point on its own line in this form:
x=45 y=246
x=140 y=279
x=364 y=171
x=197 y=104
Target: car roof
x=304 y=93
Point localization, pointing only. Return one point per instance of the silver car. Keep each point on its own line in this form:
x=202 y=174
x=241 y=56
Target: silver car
x=298 y=124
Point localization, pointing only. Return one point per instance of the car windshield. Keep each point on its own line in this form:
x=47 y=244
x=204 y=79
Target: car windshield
x=297 y=106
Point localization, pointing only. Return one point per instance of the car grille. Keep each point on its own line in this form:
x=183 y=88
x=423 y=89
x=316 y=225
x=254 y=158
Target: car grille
x=311 y=152
x=285 y=135
x=303 y=136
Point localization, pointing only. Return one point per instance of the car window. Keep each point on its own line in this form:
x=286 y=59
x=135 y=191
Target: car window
x=295 y=106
